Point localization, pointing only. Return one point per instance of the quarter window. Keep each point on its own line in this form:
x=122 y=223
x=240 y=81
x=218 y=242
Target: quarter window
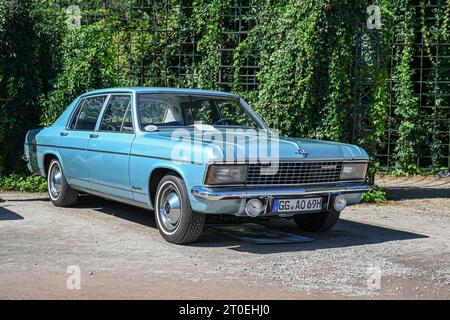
x=117 y=116
x=87 y=113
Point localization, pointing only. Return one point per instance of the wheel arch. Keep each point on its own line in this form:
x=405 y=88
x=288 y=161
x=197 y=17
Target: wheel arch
x=47 y=158
x=155 y=177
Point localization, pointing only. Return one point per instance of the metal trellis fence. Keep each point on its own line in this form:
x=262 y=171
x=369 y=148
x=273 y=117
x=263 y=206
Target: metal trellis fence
x=165 y=51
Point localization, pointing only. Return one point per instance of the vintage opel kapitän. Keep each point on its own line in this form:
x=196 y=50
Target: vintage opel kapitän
x=184 y=153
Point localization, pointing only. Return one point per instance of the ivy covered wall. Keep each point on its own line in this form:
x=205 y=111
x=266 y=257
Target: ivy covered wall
x=310 y=68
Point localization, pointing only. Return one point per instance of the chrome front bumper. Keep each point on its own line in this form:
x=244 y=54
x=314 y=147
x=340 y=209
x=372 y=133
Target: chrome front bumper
x=219 y=193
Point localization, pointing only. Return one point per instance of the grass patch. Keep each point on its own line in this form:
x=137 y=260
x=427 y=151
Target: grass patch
x=15 y=182
x=412 y=171
x=376 y=195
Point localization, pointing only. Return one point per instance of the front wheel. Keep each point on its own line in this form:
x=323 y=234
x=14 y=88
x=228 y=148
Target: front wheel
x=317 y=222
x=176 y=220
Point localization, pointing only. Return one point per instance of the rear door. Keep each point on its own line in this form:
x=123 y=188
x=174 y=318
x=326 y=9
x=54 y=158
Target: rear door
x=73 y=141
x=109 y=148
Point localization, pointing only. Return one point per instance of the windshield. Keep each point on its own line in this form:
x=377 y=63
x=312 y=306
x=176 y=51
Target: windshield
x=177 y=110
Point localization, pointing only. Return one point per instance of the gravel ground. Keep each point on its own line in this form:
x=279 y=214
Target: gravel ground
x=396 y=250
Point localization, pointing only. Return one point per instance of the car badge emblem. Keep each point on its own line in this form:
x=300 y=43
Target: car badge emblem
x=302 y=152
x=328 y=167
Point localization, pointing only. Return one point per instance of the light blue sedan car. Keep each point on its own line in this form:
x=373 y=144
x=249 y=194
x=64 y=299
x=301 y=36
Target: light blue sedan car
x=185 y=153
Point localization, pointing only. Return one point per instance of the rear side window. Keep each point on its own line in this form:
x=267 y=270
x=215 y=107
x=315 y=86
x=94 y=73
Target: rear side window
x=117 y=115
x=87 y=114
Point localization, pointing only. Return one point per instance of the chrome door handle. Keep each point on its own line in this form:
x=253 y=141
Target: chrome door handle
x=93 y=136
x=63 y=134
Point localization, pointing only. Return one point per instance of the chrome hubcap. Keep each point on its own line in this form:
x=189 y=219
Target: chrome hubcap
x=55 y=181
x=170 y=208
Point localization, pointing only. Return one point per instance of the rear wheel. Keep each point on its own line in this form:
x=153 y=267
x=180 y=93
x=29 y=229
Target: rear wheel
x=61 y=194
x=176 y=220
x=317 y=222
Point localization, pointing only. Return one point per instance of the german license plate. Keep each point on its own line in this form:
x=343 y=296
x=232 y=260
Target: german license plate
x=298 y=205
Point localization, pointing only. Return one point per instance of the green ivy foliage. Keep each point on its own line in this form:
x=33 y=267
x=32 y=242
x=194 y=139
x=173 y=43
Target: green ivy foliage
x=32 y=183
x=28 y=65
x=206 y=15
x=88 y=64
x=287 y=39
x=376 y=195
x=305 y=51
x=437 y=89
x=407 y=109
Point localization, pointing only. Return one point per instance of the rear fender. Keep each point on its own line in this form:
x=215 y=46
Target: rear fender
x=30 y=150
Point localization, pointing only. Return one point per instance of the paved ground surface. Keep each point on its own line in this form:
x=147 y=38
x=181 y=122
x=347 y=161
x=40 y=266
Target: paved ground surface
x=404 y=246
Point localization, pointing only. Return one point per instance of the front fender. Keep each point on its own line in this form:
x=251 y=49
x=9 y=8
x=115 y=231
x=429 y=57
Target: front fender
x=142 y=168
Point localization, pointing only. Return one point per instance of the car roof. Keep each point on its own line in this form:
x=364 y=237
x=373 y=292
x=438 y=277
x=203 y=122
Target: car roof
x=159 y=90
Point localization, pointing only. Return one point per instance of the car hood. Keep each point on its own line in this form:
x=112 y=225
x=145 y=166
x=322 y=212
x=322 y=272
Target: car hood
x=250 y=145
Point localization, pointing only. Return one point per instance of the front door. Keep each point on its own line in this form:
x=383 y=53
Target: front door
x=109 y=146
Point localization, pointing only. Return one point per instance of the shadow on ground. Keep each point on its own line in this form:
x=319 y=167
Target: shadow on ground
x=346 y=233
x=25 y=199
x=6 y=214
x=117 y=209
x=414 y=187
x=411 y=193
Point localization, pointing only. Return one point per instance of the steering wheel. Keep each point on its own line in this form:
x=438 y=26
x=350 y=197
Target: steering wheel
x=221 y=120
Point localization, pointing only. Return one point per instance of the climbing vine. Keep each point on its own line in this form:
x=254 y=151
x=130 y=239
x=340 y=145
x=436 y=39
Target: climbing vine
x=407 y=104
x=306 y=53
x=302 y=55
x=445 y=23
x=437 y=90
x=88 y=64
x=29 y=62
x=206 y=18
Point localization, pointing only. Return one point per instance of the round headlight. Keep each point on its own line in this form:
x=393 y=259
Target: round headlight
x=254 y=208
x=340 y=203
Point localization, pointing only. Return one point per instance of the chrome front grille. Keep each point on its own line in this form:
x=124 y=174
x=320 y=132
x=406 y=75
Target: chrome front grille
x=294 y=173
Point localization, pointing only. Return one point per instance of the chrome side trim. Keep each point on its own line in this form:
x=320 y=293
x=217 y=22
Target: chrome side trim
x=130 y=202
x=120 y=153
x=269 y=160
x=240 y=193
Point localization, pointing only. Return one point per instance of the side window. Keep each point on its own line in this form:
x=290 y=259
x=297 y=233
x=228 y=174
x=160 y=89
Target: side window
x=155 y=111
x=87 y=113
x=117 y=115
x=234 y=115
x=203 y=111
